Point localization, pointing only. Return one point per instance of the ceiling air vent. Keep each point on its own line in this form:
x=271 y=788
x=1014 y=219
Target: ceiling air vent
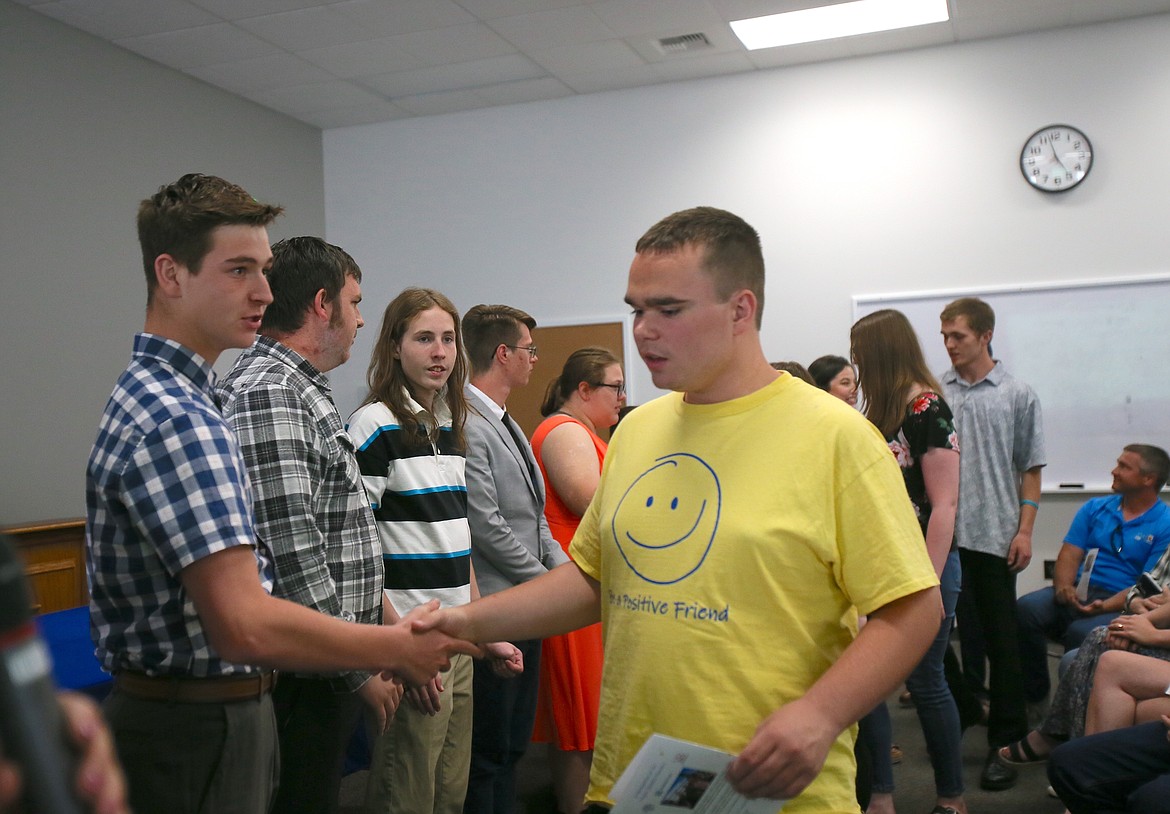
x=682 y=44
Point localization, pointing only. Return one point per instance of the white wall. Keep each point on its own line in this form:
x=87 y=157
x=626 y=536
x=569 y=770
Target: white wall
x=884 y=174
x=87 y=131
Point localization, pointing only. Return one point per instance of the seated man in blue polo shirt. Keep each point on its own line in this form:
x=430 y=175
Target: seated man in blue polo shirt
x=1130 y=530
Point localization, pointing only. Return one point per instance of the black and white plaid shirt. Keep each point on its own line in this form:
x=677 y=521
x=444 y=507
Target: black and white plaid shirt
x=311 y=507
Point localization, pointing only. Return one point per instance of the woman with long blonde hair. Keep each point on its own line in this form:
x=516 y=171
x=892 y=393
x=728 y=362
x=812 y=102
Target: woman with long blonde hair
x=902 y=399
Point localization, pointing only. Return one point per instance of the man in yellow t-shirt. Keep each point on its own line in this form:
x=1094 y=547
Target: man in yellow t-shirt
x=740 y=525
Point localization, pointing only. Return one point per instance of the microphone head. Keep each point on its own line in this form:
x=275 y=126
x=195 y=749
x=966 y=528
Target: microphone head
x=15 y=597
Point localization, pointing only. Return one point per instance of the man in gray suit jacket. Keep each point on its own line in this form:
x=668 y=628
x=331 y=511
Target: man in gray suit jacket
x=510 y=540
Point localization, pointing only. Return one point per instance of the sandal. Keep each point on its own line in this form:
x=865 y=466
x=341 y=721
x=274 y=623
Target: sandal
x=1020 y=753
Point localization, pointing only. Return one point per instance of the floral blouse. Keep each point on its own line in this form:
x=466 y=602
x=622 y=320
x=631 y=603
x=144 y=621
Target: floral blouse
x=928 y=423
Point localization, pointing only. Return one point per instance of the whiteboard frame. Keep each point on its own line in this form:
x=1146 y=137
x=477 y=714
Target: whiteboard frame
x=955 y=293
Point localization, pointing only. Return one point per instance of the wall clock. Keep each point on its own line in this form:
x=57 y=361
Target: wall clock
x=1056 y=158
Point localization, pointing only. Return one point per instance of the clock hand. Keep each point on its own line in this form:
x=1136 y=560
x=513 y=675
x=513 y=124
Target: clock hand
x=1056 y=155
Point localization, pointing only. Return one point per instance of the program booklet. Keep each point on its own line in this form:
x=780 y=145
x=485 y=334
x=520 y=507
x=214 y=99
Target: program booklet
x=669 y=774
x=1086 y=572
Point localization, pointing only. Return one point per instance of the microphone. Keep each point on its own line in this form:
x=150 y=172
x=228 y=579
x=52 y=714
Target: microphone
x=32 y=729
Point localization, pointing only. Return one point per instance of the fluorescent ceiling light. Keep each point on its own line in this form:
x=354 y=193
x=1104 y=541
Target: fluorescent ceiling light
x=840 y=20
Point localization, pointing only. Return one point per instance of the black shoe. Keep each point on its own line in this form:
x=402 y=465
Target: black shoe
x=996 y=776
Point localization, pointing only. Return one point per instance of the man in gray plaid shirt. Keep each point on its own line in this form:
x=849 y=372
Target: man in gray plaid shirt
x=311 y=508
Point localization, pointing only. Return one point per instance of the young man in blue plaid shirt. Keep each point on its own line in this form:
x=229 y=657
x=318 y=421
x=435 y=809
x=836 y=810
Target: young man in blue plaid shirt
x=181 y=610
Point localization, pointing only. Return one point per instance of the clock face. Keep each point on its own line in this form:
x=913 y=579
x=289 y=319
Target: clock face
x=1056 y=158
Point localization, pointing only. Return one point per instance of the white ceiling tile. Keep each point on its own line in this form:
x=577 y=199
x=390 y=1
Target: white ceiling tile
x=198 y=47
x=614 y=79
x=316 y=97
x=489 y=9
x=433 y=104
x=456 y=43
x=403 y=16
x=698 y=67
x=243 y=9
x=359 y=114
x=261 y=73
x=744 y=9
x=920 y=36
x=799 y=54
x=662 y=18
x=460 y=76
x=117 y=19
x=12 y=18
x=1084 y=11
x=366 y=58
x=549 y=29
x=309 y=28
x=982 y=26
x=589 y=57
x=525 y=90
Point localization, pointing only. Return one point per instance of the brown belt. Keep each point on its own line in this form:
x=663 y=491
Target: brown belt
x=189 y=690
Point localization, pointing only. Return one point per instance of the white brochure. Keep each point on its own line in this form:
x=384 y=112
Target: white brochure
x=668 y=775
x=1086 y=573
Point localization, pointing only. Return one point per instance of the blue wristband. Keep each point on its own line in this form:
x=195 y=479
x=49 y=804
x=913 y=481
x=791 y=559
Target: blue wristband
x=1031 y=503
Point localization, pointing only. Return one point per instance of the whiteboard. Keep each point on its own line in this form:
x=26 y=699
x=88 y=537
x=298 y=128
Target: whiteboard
x=1097 y=353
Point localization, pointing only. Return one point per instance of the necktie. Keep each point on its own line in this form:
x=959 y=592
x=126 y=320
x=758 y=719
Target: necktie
x=521 y=444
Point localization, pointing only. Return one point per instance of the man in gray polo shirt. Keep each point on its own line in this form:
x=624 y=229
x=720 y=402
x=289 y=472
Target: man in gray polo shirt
x=999 y=425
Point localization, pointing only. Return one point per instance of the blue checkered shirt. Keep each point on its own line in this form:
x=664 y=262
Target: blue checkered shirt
x=165 y=487
x=312 y=512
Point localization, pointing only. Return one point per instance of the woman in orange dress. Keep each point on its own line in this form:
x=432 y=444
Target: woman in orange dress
x=583 y=400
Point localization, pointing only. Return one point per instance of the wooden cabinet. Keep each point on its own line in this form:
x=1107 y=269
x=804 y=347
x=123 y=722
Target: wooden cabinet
x=54 y=556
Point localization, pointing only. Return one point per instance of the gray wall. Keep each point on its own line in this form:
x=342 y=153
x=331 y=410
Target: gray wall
x=87 y=131
x=891 y=173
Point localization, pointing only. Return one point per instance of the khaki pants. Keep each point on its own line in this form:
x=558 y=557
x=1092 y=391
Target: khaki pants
x=420 y=765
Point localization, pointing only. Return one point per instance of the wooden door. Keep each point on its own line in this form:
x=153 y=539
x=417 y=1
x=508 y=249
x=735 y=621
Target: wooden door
x=555 y=344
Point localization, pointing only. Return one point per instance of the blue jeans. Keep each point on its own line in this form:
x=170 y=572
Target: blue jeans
x=933 y=701
x=1041 y=619
x=875 y=737
x=1124 y=770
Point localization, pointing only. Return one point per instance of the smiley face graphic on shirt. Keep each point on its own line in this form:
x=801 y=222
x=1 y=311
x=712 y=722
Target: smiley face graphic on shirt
x=665 y=523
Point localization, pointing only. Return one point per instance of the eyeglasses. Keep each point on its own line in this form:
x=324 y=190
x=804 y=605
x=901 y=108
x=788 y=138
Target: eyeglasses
x=619 y=389
x=530 y=348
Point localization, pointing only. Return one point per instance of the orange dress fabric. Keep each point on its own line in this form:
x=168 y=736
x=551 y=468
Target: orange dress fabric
x=570 y=665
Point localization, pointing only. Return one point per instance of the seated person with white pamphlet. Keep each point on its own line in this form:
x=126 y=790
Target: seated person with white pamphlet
x=1128 y=531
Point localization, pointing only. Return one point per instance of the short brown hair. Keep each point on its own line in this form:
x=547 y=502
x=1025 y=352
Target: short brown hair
x=980 y=316
x=486 y=327
x=302 y=266
x=796 y=370
x=178 y=220
x=732 y=253
x=1155 y=462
